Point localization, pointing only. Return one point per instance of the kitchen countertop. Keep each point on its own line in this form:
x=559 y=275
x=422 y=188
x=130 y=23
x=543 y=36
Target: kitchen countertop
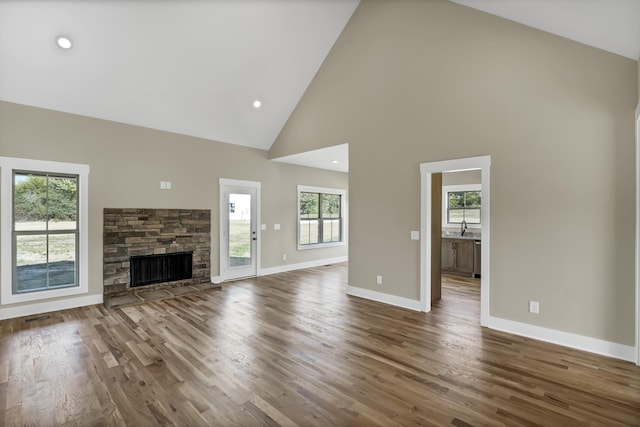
x=468 y=235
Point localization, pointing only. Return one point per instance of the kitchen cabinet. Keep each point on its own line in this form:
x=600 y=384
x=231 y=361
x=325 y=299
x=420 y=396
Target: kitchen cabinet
x=446 y=254
x=458 y=256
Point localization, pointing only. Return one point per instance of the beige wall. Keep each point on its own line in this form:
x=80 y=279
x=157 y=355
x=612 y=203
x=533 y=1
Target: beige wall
x=417 y=81
x=462 y=178
x=128 y=162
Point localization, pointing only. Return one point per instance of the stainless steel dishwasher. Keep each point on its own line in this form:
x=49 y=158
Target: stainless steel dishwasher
x=477 y=249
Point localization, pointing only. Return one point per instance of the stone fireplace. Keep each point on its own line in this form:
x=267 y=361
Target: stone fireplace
x=156 y=243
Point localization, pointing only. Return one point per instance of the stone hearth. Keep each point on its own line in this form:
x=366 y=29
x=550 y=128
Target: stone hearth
x=133 y=232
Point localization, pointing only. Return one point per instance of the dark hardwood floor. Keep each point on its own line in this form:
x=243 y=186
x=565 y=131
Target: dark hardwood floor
x=293 y=349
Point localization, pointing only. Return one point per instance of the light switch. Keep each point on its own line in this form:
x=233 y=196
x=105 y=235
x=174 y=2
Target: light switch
x=263 y=227
x=168 y=185
x=415 y=235
x=163 y=185
x=276 y=226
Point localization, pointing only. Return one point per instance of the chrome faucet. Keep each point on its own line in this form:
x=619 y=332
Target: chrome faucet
x=463 y=227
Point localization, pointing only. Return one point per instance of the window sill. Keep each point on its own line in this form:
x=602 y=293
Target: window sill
x=320 y=246
x=42 y=295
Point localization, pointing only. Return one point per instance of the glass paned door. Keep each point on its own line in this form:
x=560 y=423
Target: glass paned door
x=239 y=232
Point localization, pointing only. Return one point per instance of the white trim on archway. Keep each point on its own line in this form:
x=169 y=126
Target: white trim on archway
x=426 y=170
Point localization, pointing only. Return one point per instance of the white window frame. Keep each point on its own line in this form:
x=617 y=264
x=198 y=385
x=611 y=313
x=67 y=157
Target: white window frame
x=343 y=217
x=7 y=166
x=445 y=203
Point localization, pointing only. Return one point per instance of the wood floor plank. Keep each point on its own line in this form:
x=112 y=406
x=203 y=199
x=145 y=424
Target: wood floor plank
x=293 y=349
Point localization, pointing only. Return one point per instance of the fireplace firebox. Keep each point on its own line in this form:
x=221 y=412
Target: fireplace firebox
x=149 y=269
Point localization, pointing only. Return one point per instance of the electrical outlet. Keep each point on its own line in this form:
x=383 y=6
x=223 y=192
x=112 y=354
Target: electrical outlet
x=284 y=257
x=534 y=307
x=379 y=279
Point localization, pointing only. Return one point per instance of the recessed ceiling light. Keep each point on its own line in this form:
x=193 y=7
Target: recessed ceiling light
x=257 y=103
x=334 y=161
x=64 y=42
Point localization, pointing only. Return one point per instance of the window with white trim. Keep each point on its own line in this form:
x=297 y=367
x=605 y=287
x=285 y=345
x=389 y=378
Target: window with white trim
x=44 y=229
x=321 y=217
x=462 y=203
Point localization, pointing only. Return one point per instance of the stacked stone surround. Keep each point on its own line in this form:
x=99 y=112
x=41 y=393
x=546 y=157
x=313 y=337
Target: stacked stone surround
x=132 y=232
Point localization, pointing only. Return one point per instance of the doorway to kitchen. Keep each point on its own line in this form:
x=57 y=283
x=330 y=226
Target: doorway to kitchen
x=430 y=250
x=460 y=197
x=239 y=231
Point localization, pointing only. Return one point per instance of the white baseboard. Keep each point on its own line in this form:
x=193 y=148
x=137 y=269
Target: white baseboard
x=216 y=279
x=566 y=339
x=46 y=307
x=299 y=266
x=403 y=302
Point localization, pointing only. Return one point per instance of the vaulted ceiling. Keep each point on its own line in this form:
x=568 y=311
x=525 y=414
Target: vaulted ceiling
x=196 y=67
x=192 y=67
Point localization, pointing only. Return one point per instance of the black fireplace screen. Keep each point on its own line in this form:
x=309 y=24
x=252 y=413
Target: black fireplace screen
x=149 y=269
